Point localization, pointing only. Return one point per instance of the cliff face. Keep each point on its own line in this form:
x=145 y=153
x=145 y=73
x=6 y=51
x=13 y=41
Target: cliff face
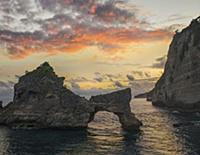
x=41 y=101
x=179 y=85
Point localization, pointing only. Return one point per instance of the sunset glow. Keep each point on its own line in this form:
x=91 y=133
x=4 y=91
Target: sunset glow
x=97 y=45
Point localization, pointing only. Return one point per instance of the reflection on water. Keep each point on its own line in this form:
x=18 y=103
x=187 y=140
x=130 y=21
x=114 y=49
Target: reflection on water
x=158 y=136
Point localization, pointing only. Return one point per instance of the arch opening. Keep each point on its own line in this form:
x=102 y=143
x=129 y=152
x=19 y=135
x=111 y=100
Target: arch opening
x=104 y=119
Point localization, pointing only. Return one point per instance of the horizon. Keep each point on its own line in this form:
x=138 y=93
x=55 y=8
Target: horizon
x=98 y=46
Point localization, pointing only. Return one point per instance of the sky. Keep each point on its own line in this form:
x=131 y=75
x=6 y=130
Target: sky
x=98 y=45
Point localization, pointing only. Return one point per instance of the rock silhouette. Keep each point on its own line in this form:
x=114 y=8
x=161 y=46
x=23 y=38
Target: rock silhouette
x=1 y=104
x=41 y=101
x=118 y=103
x=179 y=86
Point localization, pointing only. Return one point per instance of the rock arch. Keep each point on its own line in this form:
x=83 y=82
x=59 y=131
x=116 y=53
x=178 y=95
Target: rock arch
x=117 y=103
x=104 y=120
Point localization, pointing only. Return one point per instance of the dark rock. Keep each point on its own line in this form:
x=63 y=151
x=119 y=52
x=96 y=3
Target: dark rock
x=149 y=96
x=143 y=95
x=146 y=95
x=1 y=105
x=184 y=124
x=118 y=103
x=41 y=101
x=179 y=86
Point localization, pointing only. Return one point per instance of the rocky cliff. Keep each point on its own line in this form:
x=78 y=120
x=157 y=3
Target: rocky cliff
x=179 y=86
x=41 y=101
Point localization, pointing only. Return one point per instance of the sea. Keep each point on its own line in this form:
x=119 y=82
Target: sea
x=164 y=132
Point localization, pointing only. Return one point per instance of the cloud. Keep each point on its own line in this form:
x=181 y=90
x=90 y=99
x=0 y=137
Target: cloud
x=117 y=64
x=4 y=85
x=175 y=27
x=101 y=77
x=160 y=62
x=118 y=84
x=175 y=17
x=75 y=85
x=130 y=77
x=139 y=81
x=6 y=91
x=91 y=91
x=76 y=79
x=98 y=79
x=66 y=26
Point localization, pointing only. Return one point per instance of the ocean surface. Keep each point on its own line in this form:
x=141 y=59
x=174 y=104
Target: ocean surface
x=163 y=133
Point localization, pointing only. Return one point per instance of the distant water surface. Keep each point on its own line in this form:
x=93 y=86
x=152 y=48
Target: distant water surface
x=162 y=133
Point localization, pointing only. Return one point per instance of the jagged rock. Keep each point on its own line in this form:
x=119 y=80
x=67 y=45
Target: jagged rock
x=146 y=95
x=142 y=95
x=41 y=101
x=118 y=103
x=179 y=85
x=149 y=96
x=1 y=105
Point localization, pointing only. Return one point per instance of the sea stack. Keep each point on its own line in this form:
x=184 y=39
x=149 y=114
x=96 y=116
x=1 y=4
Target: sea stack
x=117 y=103
x=41 y=101
x=179 y=86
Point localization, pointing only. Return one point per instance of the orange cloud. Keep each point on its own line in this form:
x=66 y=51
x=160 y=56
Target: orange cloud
x=109 y=25
x=110 y=40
